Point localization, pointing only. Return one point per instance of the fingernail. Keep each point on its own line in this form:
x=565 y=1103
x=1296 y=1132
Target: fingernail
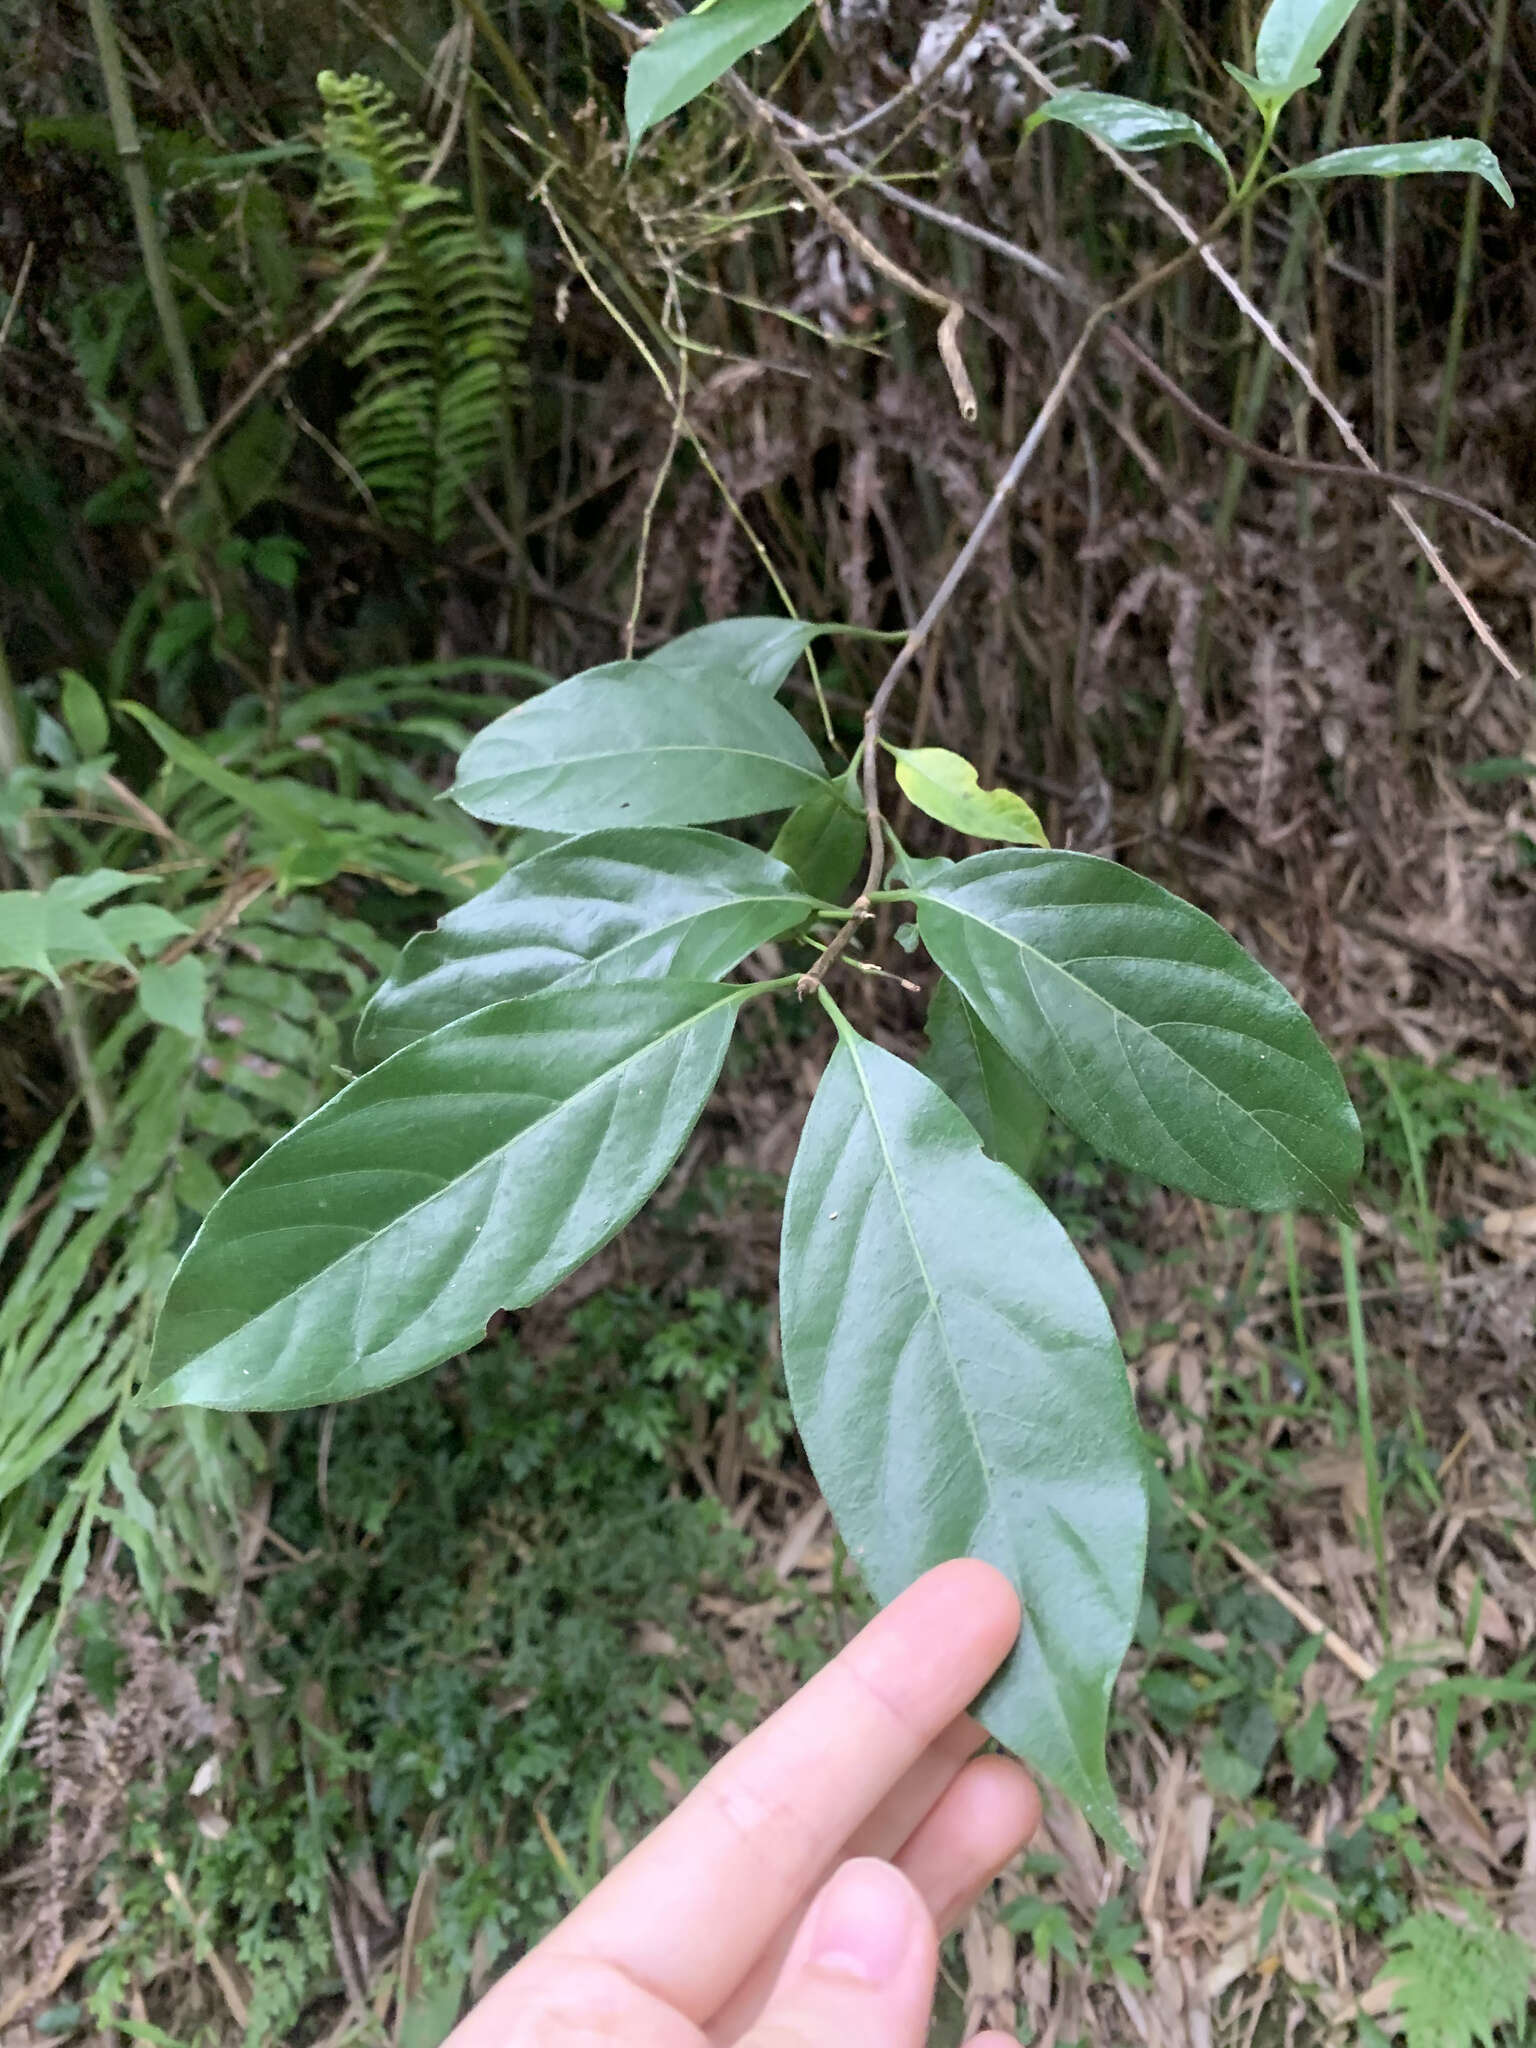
x=863 y=1923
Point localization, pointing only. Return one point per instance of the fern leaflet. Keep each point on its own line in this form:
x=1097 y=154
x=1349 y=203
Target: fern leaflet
x=1454 y=1982
x=437 y=332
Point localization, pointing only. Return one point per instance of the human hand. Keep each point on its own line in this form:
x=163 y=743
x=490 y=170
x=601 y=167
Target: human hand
x=796 y=1897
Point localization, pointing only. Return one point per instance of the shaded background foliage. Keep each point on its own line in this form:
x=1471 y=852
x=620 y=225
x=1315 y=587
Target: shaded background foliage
x=1240 y=682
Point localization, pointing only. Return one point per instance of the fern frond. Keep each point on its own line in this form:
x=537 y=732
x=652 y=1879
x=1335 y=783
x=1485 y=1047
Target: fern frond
x=1454 y=1982
x=437 y=334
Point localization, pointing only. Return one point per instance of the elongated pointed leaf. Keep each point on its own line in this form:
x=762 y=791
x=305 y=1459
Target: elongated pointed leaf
x=610 y=906
x=1147 y=1028
x=1131 y=125
x=946 y=786
x=993 y=1092
x=469 y=1173
x=690 y=54
x=956 y=1381
x=1446 y=153
x=754 y=653
x=824 y=841
x=1293 y=38
x=644 y=749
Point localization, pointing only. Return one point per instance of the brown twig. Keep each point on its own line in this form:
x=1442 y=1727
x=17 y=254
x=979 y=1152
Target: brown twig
x=1007 y=484
x=1200 y=243
x=1080 y=293
x=910 y=91
x=13 y=305
x=945 y=302
x=1259 y=457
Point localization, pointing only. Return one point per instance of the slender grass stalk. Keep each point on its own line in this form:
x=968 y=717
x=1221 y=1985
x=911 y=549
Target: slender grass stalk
x=514 y=498
x=1429 y=1249
x=1249 y=413
x=69 y=1014
x=1293 y=1284
x=157 y=275
x=1450 y=373
x=1368 y=1451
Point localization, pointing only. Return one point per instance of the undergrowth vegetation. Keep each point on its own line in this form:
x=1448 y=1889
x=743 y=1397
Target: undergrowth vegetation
x=361 y=377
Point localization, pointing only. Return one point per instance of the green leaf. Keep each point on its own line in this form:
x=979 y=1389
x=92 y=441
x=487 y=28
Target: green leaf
x=690 y=54
x=1446 y=153
x=644 y=749
x=914 y=872
x=613 y=906
x=24 y=932
x=270 y=805
x=84 y=713
x=945 y=786
x=1147 y=1028
x=1229 y=1775
x=824 y=841
x=1266 y=98
x=956 y=1381
x=186 y=625
x=993 y=1092
x=1130 y=125
x=176 y=995
x=1453 y=1982
x=1293 y=36
x=469 y=1173
x=144 y=926
x=756 y=653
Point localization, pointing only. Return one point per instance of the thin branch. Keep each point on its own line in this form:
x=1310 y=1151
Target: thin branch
x=653 y=499
x=1259 y=457
x=1200 y=243
x=945 y=302
x=1075 y=289
x=13 y=304
x=914 y=85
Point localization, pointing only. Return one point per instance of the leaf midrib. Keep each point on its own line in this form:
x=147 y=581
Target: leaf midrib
x=1085 y=988
x=961 y=1396
x=668 y=747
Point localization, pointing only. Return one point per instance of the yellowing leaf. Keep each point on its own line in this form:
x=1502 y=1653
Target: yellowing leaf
x=948 y=788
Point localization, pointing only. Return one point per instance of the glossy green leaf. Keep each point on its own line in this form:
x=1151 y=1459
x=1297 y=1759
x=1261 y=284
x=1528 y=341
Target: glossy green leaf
x=1131 y=125
x=1294 y=36
x=756 y=653
x=956 y=1382
x=469 y=1173
x=1446 y=153
x=692 y=52
x=175 y=995
x=946 y=786
x=84 y=713
x=913 y=872
x=993 y=1092
x=825 y=841
x=642 y=749
x=611 y=906
x=1147 y=1028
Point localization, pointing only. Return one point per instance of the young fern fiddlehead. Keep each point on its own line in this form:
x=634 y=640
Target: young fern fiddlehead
x=438 y=332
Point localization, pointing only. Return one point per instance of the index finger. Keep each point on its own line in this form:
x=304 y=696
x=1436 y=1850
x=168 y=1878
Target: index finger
x=687 y=1912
